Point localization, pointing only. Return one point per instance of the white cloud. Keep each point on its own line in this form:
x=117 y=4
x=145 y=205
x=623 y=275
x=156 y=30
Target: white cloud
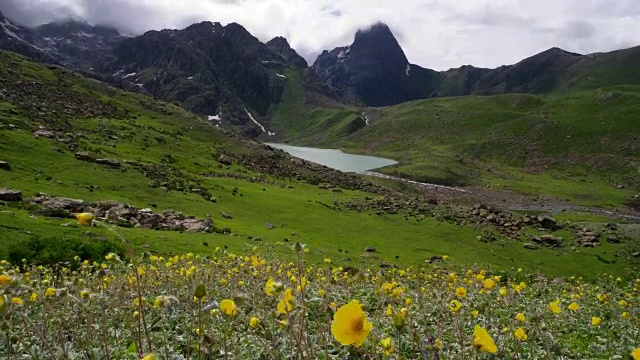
x=438 y=34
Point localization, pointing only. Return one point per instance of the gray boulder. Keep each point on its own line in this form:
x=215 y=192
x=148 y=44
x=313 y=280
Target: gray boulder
x=10 y=195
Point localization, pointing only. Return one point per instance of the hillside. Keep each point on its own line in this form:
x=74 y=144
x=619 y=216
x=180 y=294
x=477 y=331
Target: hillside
x=167 y=181
x=581 y=146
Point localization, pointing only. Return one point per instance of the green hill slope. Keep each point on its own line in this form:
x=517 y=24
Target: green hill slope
x=579 y=146
x=162 y=157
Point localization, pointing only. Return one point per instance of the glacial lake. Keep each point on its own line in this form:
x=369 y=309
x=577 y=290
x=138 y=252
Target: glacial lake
x=336 y=159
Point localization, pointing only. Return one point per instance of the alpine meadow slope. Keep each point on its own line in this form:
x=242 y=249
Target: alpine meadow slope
x=84 y=140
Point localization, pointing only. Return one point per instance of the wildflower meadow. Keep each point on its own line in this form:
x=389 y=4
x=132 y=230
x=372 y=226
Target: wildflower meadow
x=228 y=306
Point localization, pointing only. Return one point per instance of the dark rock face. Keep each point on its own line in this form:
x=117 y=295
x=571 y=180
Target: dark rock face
x=209 y=68
x=280 y=46
x=77 y=44
x=375 y=70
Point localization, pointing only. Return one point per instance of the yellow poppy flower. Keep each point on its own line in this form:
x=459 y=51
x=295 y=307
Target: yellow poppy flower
x=635 y=354
x=85 y=218
x=461 y=293
x=488 y=284
x=520 y=317
x=482 y=341
x=254 y=322
x=228 y=307
x=520 y=334
x=5 y=279
x=554 y=307
x=50 y=292
x=269 y=287
x=16 y=300
x=595 y=321
x=285 y=305
x=350 y=324
x=387 y=346
x=574 y=307
x=455 y=306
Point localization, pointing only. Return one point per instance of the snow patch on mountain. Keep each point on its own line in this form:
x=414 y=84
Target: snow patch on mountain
x=280 y=75
x=84 y=34
x=129 y=75
x=366 y=118
x=408 y=69
x=257 y=123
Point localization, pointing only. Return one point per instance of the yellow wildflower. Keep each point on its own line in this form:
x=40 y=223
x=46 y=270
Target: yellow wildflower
x=520 y=334
x=34 y=297
x=595 y=321
x=461 y=293
x=254 y=322
x=438 y=344
x=482 y=341
x=269 y=287
x=350 y=324
x=228 y=307
x=285 y=305
x=50 y=292
x=455 y=306
x=149 y=357
x=520 y=317
x=635 y=354
x=321 y=293
x=574 y=307
x=85 y=218
x=5 y=279
x=16 y=300
x=327 y=261
x=488 y=284
x=387 y=346
x=555 y=307
x=475 y=313
x=626 y=315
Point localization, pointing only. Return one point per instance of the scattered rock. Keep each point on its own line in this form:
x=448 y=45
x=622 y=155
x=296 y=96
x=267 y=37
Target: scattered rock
x=43 y=133
x=223 y=159
x=108 y=162
x=5 y=166
x=346 y=259
x=85 y=156
x=269 y=226
x=613 y=239
x=370 y=249
x=636 y=254
x=548 y=223
x=194 y=225
x=434 y=259
x=531 y=246
x=225 y=215
x=619 y=187
x=10 y=195
x=548 y=240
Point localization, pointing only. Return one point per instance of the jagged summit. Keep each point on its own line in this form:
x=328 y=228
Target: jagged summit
x=73 y=26
x=280 y=46
x=374 y=69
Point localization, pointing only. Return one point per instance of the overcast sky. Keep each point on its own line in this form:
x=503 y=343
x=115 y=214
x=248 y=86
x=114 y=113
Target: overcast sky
x=438 y=34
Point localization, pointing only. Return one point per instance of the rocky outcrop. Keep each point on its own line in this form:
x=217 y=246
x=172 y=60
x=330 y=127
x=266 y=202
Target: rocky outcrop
x=10 y=195
x=121 y=214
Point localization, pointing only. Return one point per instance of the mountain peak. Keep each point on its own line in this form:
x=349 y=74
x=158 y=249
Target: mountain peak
x=71 y=25
x=376 y=34
x=280 y=46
